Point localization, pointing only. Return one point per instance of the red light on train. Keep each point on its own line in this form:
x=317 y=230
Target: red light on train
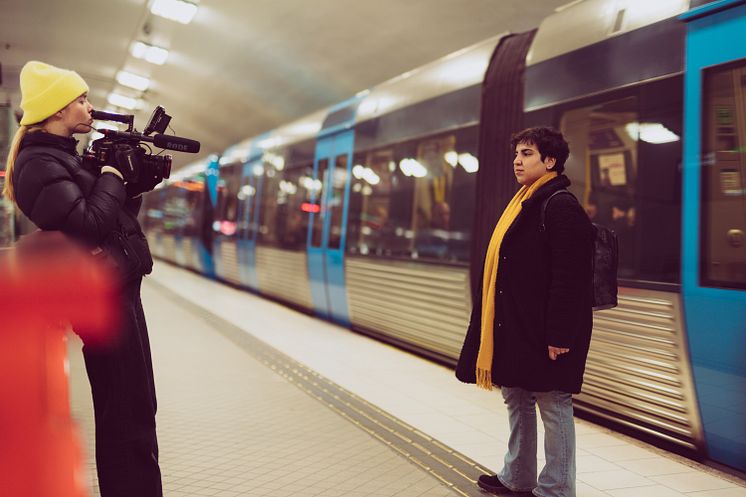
x=307 y=207
x=228 y=228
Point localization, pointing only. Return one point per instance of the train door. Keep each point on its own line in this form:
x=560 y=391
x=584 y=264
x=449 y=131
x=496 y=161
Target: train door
x=327 y=231
x=714 y=222
x=248 y=206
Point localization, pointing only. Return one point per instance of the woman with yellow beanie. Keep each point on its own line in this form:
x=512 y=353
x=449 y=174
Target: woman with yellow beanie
x=50 y=184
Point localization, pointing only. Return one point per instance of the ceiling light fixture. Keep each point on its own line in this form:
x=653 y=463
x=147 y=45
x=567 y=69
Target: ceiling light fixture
x=176 y=10
x=124 y=102
x=134 y=81
x=151 y=53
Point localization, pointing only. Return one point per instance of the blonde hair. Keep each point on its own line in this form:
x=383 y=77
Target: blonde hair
x=8 y=189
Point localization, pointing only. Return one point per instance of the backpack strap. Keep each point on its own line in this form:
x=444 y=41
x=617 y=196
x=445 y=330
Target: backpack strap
x=543 y=213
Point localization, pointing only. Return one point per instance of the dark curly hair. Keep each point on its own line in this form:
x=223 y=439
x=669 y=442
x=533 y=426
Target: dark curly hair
x=548 y=141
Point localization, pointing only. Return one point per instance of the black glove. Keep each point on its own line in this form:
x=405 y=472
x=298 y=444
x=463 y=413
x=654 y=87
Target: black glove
x=126 y=162
x=145 y=184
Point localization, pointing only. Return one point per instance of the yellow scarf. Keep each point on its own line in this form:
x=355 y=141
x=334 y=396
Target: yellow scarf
x=491 y=260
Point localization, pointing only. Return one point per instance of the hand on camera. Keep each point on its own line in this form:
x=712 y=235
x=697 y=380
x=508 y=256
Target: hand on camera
x=144 y=184
x=125 y=162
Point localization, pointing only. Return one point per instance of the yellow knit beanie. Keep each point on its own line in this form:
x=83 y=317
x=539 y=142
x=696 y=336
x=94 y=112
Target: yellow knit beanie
x=46 y=89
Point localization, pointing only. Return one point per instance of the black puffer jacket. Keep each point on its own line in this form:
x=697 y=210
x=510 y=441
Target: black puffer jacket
x=57 y=192
x=542 y=298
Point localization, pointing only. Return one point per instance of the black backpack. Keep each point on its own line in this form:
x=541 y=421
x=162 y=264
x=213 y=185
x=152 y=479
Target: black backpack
x=605 y=261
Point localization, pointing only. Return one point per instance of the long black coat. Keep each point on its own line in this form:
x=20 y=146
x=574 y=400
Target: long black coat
x=542 y=298
x=55 y=191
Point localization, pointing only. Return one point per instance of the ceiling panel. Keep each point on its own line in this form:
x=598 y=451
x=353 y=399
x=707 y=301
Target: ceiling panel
x=244 y=67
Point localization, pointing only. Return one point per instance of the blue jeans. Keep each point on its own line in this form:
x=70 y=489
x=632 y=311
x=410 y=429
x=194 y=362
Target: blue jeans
x=557 y=479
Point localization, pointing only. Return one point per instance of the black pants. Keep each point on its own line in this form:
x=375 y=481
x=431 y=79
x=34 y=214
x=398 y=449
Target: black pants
x=121 y=377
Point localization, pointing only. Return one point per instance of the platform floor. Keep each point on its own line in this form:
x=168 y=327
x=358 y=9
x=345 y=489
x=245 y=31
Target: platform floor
x=256 y=399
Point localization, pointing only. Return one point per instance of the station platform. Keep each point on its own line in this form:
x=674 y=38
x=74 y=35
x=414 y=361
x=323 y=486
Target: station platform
x=256 y=399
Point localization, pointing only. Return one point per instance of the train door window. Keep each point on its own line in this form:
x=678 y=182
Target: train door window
x=318 y=206
x=336 y=202
x=624 y=164
x=723 y=241
x=294 y=193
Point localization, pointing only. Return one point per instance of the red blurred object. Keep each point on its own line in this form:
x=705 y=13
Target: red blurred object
x=308 y=207
x=227 y=228
x=46 y=282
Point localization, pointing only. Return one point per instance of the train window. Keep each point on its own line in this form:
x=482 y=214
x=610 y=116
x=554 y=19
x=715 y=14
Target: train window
x=192 y=213
x=415 y=199
x=245 y=205
x=625 y=158
x=371 y=201
x=228 y=186
x=336 y=202
x=293 y=202
x=723 y=241
x=318 y=205
x=268 y=205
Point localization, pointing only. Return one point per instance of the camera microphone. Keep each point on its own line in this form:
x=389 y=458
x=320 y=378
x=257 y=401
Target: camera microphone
x=178 y=143
x=169 y=142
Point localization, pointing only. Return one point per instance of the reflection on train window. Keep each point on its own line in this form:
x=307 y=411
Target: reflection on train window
x=336 y=201
x=266 y=214
x=192 y=215
x=414 y=199
x=317 y=206
x=228 y=187
x=624 y=164
x=292 y=203
x=723 y=171
x=174 y=211
x=285 y=197
x=245 y=206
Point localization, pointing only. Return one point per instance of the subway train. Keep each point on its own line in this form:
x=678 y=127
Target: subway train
x=375 y=213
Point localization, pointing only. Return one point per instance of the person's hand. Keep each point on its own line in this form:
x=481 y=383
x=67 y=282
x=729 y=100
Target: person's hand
x=125 y=162
x=145 y=184
x=555 y=352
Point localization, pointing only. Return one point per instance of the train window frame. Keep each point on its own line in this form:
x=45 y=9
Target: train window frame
x=668 y=106
x=724 y=188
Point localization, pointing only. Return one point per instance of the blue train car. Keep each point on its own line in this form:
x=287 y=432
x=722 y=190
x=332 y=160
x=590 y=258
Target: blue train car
x=178 y=217
x=714 y=243
x=375 y=213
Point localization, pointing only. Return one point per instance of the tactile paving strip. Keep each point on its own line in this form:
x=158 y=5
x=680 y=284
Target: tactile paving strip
x=454 y=469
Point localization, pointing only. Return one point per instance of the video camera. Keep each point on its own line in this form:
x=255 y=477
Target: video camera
x=124 y=149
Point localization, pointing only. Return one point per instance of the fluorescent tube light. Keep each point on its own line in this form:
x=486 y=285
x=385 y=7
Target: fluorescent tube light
x=151 y=53
x=134 y=81
x=121 y=101
x=176 y=10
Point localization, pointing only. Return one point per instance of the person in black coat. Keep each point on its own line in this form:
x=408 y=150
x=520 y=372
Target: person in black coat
x=530 y=327
x=47 y=180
